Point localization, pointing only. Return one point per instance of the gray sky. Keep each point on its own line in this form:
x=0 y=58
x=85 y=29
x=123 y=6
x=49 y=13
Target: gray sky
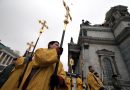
x=19 y=20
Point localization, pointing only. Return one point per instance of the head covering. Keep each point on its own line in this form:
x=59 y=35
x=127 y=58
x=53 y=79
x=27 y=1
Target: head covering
x=52 y=42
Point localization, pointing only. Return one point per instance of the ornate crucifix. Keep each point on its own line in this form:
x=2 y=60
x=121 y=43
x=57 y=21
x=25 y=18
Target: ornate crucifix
x=67 y=16
x=43 y=23
x=71 y=64
x=30 y=46
x=62 y=38
x=32 y=53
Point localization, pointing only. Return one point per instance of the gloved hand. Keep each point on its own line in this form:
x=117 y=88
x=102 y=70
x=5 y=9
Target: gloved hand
x=59 y=51
x=61 y=81
x=56 y=80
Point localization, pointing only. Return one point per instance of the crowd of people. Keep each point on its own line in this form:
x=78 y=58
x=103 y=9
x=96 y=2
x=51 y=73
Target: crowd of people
x=38 y=73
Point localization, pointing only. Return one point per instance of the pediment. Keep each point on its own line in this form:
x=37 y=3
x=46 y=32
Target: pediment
x=105 y=52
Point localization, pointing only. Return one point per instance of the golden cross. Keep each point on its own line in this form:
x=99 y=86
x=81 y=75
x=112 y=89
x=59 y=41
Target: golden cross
x=43 y=25
x=30 y=45
x=67 y=16
x=71 y=62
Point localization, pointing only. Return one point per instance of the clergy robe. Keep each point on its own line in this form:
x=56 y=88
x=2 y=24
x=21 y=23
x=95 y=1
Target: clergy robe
x=92 y=83
x=12 y=81
x=79 y=84
x=69 y=83
x=46 y=60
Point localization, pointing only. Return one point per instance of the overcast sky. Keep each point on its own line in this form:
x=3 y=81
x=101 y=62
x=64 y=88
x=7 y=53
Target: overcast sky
x=19 y=20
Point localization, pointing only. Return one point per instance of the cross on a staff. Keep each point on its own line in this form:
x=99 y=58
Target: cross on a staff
x=71 y=64
x=43 y=25
x=30 y=46
x=67 y=16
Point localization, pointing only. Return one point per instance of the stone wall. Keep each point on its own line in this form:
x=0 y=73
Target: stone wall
x=93 y=59
x=100 y=34
x=121 y=27
x=125 y=50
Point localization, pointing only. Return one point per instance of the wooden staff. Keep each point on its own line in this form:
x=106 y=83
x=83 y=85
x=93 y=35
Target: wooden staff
x=28 y=59
x=66 y=21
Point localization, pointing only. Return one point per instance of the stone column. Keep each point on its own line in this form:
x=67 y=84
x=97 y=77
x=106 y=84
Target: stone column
x=10 y=61
x=3 y=59
x=7 y=60
x=82 y=61
x=86 y=60
x=1 y=55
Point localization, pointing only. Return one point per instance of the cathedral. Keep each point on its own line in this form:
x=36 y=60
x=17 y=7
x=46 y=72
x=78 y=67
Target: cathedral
x=105 y=46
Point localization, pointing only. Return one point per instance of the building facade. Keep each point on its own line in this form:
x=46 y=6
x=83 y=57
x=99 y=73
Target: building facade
x=106 y=47
x=6 y=56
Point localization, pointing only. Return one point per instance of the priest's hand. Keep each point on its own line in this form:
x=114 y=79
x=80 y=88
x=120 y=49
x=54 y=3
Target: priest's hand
x=61 y=81
x=56 y=80
x=59 y=51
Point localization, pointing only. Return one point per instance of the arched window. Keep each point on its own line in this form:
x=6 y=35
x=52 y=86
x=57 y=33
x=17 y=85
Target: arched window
x=107 y=68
